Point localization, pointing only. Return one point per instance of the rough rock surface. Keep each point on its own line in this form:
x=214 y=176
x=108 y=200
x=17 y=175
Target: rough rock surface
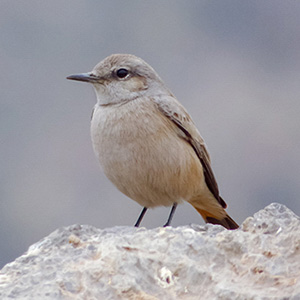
x=261 y=260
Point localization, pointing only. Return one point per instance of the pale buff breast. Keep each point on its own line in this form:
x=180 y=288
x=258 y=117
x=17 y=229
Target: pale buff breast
x=141 y=153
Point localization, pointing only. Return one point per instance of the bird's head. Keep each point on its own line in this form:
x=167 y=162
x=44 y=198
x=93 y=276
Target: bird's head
x=122 y=77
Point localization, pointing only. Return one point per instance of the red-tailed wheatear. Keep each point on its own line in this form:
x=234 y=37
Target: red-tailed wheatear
x=147 y=143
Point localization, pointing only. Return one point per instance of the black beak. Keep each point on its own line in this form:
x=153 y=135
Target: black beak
x=86 y=77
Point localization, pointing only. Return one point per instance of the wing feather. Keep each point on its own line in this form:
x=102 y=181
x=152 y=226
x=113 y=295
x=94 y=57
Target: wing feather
x=173 y=110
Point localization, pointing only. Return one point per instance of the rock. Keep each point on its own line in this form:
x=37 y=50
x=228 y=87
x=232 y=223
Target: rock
x=261 y=260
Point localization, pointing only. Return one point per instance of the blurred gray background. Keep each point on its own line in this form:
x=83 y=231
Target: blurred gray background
x=235 y=65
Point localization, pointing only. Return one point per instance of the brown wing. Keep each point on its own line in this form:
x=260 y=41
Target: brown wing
x=173 y=110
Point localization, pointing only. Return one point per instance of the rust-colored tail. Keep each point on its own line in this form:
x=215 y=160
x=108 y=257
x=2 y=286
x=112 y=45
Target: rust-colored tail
x=225 y=221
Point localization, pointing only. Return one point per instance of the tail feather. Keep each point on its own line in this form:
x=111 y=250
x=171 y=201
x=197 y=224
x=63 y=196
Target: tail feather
x=226 y=221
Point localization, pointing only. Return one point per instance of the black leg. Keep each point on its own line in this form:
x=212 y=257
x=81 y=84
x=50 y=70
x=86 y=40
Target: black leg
x=137 y=224
x=171 y=215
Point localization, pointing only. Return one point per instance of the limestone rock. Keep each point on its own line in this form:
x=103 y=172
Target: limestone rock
x=261 y=260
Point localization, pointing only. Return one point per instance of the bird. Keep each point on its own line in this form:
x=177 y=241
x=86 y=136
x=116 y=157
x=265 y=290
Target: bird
x=147 y=143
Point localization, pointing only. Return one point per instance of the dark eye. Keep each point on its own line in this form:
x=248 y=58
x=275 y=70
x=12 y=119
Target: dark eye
x=121 y=73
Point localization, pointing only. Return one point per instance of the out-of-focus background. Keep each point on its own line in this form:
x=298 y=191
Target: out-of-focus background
x=235 y=66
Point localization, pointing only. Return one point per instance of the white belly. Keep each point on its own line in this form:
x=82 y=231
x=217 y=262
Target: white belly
x=142 y=155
